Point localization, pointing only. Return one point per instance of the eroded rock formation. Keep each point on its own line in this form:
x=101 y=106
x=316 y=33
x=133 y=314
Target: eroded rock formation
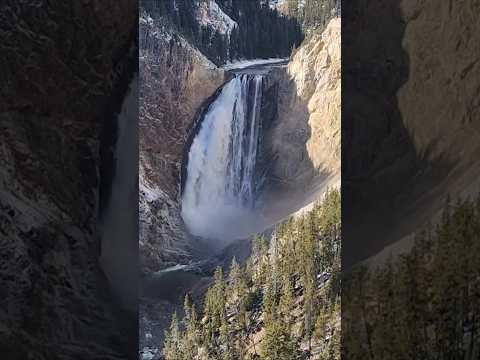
x=64 y=70
x=411 y=93
x=304 y=139
x=175 y=78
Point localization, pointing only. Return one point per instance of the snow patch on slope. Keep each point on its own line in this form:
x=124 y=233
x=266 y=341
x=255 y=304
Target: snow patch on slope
x=150 y=194
x=277 y=4
x=210 y=15
x=163 y=32
x=242 y=64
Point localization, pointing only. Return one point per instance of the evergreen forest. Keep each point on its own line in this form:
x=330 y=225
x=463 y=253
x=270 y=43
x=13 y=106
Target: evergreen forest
x=423 y=304
x=283 y=303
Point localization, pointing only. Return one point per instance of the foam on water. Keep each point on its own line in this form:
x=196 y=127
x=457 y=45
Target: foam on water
x=219 y=194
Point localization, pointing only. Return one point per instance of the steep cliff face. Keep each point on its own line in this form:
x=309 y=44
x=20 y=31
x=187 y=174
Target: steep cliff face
x=411 y=121
x=316 y=72
x=175 y=78
x=304 y=139
x=440 y=108
x=443 y=54
x=58 y=89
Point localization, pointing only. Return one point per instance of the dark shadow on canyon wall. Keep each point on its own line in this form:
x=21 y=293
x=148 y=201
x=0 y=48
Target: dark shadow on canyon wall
x=397 y=98
x=290 y=183
x=64 y=72
x=377 y=153
x=118 y=221
x=386 y=182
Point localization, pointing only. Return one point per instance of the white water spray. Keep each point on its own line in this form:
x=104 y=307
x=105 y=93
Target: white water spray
x=219 y=193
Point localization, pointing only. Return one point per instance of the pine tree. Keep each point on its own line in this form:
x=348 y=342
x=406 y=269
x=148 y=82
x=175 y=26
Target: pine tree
x=308 y=275
x=235 y=278
x=269 y=303
x=215 y=307
x=278 y=343
x=383 y=336
x=172 y=344
x=260 y=259
x=287 y=302
x=190 y=341
x=238 y=295
x=292 y=6
x=227 y=346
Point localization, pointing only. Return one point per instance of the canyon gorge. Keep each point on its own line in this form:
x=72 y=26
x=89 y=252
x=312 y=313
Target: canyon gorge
x=240 y=140
x=225 y=152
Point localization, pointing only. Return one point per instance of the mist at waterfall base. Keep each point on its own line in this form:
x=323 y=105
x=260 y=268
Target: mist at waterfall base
x=218 y=199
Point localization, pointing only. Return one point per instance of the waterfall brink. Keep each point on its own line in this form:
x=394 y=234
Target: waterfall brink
x=218 y=200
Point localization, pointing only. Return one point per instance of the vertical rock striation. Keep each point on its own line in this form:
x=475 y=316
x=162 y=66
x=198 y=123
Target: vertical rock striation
x=411 y=93
x=175 y=78
x=63 y=68
x=302 y=143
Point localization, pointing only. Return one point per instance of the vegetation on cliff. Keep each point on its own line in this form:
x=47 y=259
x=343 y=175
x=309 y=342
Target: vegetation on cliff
x=284 y=303
x=313 y=15
x=250 y=29
x=425 y=304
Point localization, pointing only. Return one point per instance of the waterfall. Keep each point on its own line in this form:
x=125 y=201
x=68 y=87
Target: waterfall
x=219 y=193
x=119 y=219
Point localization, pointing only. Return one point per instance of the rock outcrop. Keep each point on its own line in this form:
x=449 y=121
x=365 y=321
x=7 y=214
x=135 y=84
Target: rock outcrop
x=302 y=144
x=411 y=90
x=175 y=78
x=316 y=72
x=440 y=108
x=440 y=101
x=64 y=68
x=443 y=84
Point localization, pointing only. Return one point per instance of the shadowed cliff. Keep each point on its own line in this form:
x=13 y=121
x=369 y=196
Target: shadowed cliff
x=65 y=69
x=408 y=129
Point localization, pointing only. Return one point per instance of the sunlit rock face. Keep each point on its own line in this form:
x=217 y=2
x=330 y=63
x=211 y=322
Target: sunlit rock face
x=316 y=72
x=440 y=100
x=301 y=147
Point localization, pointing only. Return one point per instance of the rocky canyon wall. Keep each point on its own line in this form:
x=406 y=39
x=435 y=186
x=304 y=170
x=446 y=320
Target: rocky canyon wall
x=442 y=117
x=299 y=149
x=175 y=79
x=58 y=90
x=411 y=105
x=440 y=108
x=302 y=144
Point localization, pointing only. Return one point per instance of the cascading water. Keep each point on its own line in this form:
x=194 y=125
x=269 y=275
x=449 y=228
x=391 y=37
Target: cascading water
x=218 y=198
